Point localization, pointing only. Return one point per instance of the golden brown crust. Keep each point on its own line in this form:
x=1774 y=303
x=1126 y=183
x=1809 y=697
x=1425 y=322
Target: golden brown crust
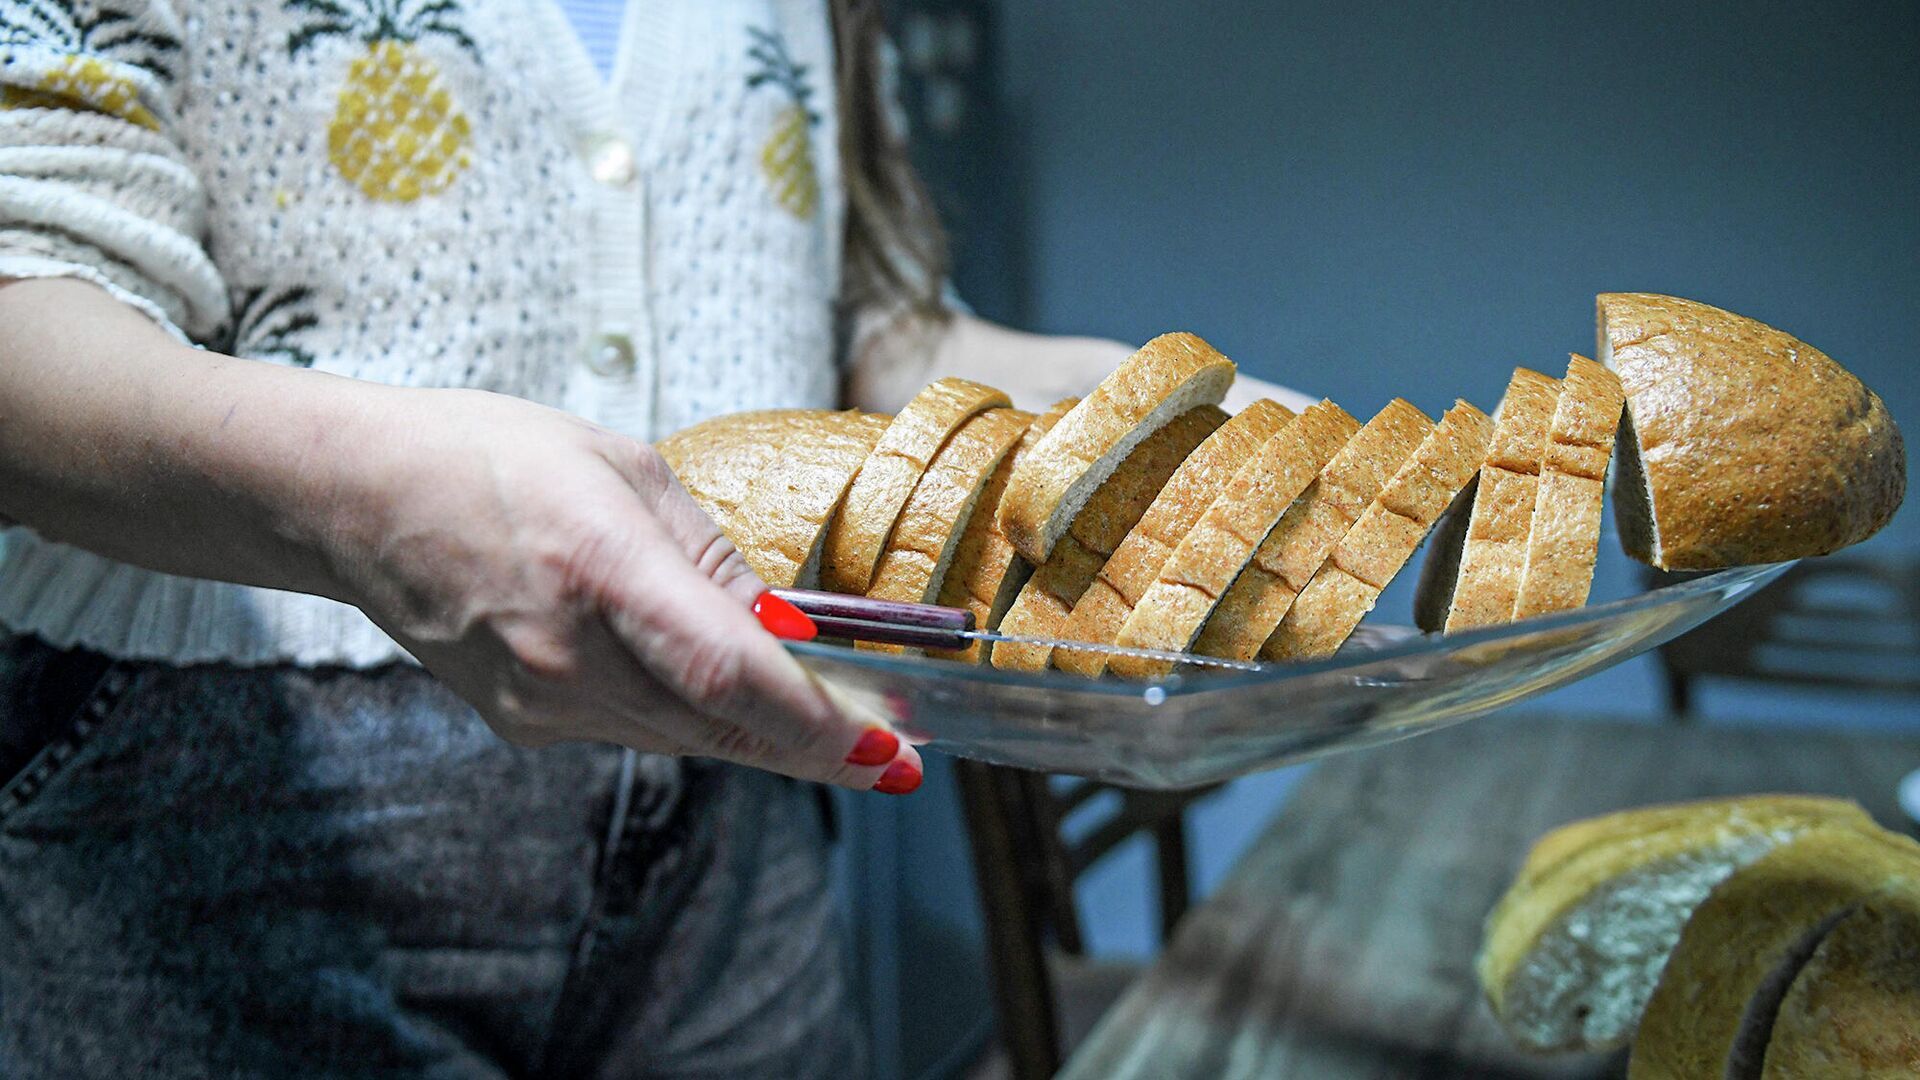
x=1305 y=535
x=1757 y=447
x=1749 y=927
x=858 y=534
x=1379 y=544
x=1048 y=597
x=716 y=460
x=784 y=518
x=1192 y=579
x=1169 y=376
x=772 y=480
x=1569 y=865
x=1492 y=545
x=922 y=544
x=987 y=573
x=1565 y=537
x=1120 y=584
x=1854 y=1010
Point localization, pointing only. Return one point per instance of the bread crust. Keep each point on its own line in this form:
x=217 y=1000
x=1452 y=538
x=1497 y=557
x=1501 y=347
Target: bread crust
x=921 y=547
x=1102 y=523
x=1168 y=376
x=772 y=481
x=1854 y=1010
x=1749 y=928
x=858 y=534
x=1110 y=599
x=1204 y=564
x=986 y=573
x=1492 y=544
x=1565 y=537
x=1346 y=587
x=1756 y=447
x=1305 y=535
x=1567 y=865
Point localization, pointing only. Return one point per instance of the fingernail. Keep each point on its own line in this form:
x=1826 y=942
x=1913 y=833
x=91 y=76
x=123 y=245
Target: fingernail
x=876 y=747
x=782 y=619
x=900 y=778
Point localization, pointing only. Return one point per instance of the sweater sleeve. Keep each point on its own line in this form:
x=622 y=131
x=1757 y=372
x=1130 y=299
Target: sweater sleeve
x=93 y=181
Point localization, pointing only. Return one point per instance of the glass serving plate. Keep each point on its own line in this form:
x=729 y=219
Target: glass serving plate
x=1204 y=726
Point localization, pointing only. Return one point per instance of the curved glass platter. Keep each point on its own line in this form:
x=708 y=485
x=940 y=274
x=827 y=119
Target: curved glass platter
x=1205 y=726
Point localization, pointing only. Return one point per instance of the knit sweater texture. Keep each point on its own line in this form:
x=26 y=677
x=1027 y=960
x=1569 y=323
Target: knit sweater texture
x=430 y=193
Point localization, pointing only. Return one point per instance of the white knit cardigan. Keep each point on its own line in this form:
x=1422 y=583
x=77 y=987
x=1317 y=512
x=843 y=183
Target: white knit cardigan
x=423 y=193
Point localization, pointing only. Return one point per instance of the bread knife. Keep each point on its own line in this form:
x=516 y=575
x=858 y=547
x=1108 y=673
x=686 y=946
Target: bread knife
x=929 y=626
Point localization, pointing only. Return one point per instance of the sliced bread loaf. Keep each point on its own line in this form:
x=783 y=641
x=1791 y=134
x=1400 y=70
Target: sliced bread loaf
x=1574 y=948
x=1347 y=586
x=1565 y=537
x=1104 y=607
x=986 y=573
x=1472 y=573
x=858 y=534
x=1170 y=376
x=1714 y=1006
x=924 y=539
x=1305 y=535
x=1192 y=580
x=1741 y=444
x=1103 y=522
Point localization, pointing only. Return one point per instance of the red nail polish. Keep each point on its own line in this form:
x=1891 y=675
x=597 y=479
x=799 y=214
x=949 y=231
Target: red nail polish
x=876 y=747
x=900 y=778
x=782 y=619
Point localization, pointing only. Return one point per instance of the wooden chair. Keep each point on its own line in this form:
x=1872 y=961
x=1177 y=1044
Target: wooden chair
x=1026 y=867
x=1843 y=621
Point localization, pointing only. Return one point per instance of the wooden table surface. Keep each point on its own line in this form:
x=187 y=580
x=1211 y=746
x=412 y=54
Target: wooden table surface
x=1342 y=944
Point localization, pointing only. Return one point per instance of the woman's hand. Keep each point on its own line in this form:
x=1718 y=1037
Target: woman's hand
x=552 y=573
x=557 y=577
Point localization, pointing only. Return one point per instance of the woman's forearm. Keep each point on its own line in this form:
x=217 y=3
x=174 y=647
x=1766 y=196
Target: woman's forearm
x=116 y=438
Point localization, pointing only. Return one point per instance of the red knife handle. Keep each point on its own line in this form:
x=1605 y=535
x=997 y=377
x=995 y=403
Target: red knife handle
x=913 y=637
x=826 y=605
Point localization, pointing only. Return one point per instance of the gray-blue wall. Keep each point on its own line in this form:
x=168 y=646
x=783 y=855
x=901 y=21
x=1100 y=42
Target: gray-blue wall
x=1368 y=200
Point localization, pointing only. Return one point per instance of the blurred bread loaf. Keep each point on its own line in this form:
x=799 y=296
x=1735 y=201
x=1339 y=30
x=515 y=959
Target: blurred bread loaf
x=1713 y=1012
x=1571 y=953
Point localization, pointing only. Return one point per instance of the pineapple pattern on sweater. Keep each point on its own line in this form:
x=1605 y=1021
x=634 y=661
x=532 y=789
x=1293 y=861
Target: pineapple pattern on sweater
x=421 y=193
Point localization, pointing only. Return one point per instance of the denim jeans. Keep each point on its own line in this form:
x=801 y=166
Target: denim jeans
x=211 y=871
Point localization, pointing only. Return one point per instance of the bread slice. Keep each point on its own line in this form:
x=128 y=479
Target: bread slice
x=1103 y=522
x=1722 y=985
x=1287 y=559
x=1169 y=377
x=1212 y=554
x=859 y=532
x=1104 y=607
x=924 y=539
x=1472 y=573
x=1573 y=950
x=1853 y=1012
x=1573 y=483
x=1347 y=586
x=772 y=481
x=1741 y=443
x=987 y=573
